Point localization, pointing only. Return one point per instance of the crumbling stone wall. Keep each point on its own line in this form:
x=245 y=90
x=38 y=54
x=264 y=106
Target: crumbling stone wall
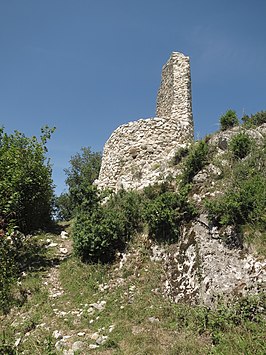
x=138 y=153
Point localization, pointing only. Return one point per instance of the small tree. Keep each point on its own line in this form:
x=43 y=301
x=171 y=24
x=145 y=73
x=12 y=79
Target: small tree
x=228 y=120
x=240 y=145
x=26 y=187
x=84 y=169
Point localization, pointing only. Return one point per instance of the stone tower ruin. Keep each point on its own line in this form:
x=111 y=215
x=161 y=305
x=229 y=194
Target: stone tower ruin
x=139 y=153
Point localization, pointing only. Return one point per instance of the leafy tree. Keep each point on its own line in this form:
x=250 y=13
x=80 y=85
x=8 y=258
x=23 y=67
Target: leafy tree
x=84 y=169
x=254 y=120
x=63 y=207
x=26 y=188
x=240 y=145
x=228 y=120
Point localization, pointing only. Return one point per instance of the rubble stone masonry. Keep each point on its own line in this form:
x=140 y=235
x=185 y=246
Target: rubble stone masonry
x=139 y=153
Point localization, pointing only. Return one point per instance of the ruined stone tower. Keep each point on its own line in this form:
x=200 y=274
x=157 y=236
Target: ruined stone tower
x=138 y=153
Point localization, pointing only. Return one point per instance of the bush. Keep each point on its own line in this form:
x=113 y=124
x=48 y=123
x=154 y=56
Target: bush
x=166 y=213
x=8 y=271
x=101 y=231
x=244 y=201
x=179 y=155
x=98 y=235
x=195 y=161
x=240 y=145
x=26 y=188
x=228 y=120
x=254 y=120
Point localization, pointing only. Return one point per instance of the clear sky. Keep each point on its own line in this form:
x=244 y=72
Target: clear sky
x=87 y=66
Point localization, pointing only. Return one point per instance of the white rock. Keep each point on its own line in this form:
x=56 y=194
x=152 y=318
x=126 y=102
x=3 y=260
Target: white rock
x=101 y=340
x=57 y=334
x=17 y=342
x=59 y=345
x=68 y=352
x=64 y=235
x=93 y=346
x=81 y=334
x=95 y=336
x=52 y=245
x=153 y=319
x=78 y=345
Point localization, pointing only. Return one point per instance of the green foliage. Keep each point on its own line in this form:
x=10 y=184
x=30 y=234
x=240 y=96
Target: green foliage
x=195 y=161
x=26 y=189
x=84 y=169
x=63 y=207
x=98 y=235
x=166 y=213
x=244 y=200
x=254 y=120
x=228 y=120
x=179 y=155
x=8 y=270
x=240 y=145
x=101 y=230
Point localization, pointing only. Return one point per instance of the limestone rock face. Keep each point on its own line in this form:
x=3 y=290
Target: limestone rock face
x=137 y=154
x=200 y=268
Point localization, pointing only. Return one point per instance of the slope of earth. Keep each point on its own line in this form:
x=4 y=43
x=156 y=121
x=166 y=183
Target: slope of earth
x=76 y=308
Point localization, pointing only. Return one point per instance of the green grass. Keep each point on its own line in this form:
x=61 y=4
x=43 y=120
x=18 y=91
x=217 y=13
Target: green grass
x=130 y=304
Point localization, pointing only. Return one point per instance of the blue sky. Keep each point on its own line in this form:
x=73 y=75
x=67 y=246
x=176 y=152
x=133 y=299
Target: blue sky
x=87 y=66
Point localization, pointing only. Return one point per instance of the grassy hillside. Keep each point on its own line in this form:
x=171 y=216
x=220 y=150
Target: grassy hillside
x=118 y=309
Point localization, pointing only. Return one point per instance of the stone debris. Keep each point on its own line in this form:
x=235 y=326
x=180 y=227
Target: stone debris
x=78 y=345
x=99 y=306
x=153 y=320
x=59 y=345
x=81 y=334
x=157 y=253
x=64 y=235
x=111 y=328
x=17 y=342
x=95 y=336
x=93 y=346
x=51 y=245
x=101 y=340
x=69 y=352
x=57 y=334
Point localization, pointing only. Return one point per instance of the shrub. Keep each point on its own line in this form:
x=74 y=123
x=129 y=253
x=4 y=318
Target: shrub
x=228 y=120
x=244 y=201
x=130 y=204
x=195 y=161
x=254 y=120
x=240 y=145
x=98 y=235
x=179 y=155
x=8 y=271
x=26 y=188
x=100 y=232
x=165 y=214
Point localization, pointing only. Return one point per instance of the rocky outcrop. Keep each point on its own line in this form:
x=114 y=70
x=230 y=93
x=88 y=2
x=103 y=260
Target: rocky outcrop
x=137 y=154
x=201 y=268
